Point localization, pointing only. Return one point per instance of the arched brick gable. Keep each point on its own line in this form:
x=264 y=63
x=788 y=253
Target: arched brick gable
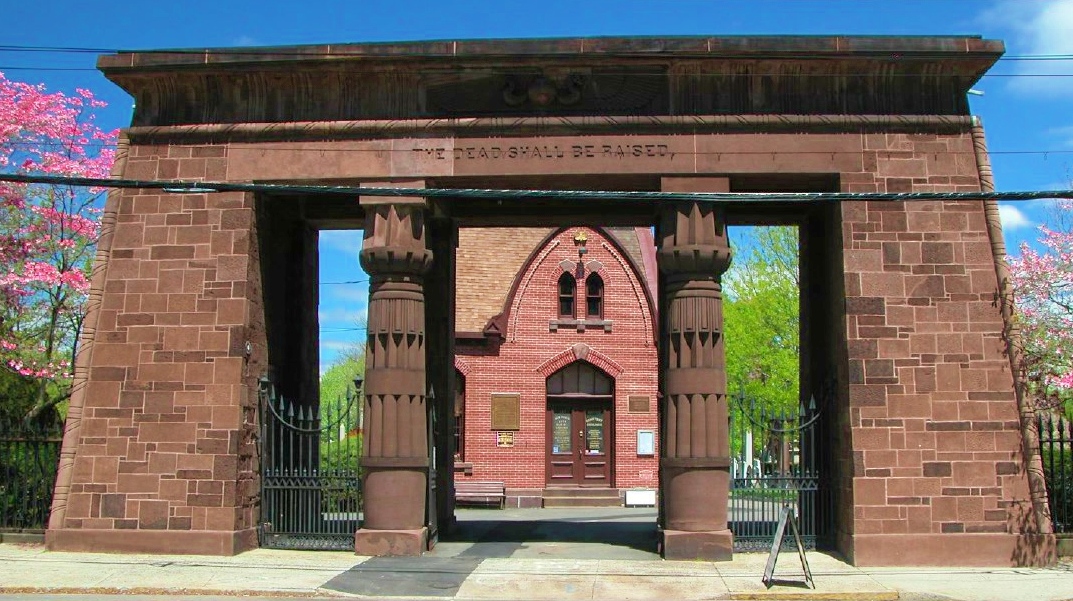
x=524 y=281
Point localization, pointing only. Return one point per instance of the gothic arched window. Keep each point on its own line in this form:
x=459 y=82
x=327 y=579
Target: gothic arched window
x=567 y=292
x=594 y=297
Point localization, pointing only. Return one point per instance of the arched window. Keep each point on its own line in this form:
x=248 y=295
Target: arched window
x=594 y=297
x=580 y=379
x=567 y=292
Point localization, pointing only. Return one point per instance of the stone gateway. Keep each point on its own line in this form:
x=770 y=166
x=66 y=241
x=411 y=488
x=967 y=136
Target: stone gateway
x=195 y=296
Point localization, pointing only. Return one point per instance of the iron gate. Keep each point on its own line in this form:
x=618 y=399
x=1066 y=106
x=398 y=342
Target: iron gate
x=1056 y=453
x=311 y=496
x=774 y=466
x=29 y=459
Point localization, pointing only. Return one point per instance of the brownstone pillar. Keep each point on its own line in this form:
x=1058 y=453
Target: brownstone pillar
x=694 y=463
x=395 y=453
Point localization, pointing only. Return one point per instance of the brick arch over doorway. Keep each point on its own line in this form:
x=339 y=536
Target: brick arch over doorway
x=580 y=352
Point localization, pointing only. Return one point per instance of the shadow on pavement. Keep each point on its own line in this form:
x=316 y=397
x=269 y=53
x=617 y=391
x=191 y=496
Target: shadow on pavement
x=490 y=536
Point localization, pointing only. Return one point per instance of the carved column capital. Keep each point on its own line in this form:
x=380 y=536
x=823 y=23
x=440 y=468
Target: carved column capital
x=693 y=241
x=394 y=243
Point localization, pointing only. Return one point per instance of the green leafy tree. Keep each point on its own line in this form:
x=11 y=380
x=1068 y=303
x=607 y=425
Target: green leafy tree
x=18 y=396
x=340 y=438
x=762 y=319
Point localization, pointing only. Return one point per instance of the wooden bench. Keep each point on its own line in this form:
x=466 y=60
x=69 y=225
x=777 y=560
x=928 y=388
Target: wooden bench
x=481 y=493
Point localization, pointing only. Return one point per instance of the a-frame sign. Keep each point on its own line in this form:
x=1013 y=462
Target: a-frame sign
x=776 y=544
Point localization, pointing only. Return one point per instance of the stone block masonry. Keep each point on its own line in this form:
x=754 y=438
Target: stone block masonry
x=932 y=412
x=166 y=454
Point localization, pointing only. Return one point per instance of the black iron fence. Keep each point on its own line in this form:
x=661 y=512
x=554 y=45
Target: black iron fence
x=774 y=465
x=311 y=495
x=1056 y=452
x=29 y=458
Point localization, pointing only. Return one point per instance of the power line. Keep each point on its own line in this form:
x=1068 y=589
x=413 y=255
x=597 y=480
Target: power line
x=295 y=52
x=202 y=187
x=23 y=68
x=680 y=75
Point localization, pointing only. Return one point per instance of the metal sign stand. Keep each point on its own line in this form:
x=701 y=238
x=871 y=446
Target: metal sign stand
x=776 y=544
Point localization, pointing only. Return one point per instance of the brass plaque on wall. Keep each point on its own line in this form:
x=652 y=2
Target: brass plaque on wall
x=506 y=411
x=639 y=404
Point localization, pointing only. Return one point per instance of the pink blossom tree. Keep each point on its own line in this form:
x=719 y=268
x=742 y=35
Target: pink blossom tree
x=47 y=233
x=1043 y=292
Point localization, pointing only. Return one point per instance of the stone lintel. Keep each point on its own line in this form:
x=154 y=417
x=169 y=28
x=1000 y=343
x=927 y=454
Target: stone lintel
x=390 y=543
x=175 y=542
x=367 y=201
x=694 y=183
x=716 y=545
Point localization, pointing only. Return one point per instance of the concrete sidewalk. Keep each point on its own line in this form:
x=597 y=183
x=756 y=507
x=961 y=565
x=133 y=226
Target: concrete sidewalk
x=30 y=568
x=525 y=554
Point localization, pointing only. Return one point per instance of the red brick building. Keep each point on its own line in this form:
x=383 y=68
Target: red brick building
x=556 y=362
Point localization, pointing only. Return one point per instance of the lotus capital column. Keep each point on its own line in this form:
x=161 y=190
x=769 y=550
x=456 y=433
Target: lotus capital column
x=693 y=253
x=395 y=456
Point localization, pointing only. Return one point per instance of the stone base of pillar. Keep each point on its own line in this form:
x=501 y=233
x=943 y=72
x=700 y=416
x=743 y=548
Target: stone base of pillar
x=165 y=542
x=717 y=545
x=385 y=543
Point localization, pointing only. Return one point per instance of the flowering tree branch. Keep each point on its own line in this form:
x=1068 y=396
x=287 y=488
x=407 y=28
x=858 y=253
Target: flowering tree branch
x=1043 y=291
x=47 y=232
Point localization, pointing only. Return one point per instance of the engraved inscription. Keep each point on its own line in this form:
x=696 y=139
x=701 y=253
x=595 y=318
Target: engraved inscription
x=546 y=151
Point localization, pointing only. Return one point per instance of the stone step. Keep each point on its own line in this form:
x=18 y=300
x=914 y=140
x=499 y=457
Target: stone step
x=576 y=491
x=582 y=502
x=581 y=497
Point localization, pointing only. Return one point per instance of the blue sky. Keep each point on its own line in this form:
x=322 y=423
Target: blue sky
x=1024 y=113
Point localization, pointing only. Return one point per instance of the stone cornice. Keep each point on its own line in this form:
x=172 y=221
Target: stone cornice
x=567 y=78
x=394 y=128
x=752 y=47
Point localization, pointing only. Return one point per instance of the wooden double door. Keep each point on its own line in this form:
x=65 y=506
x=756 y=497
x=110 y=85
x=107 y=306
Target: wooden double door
x=579 y=442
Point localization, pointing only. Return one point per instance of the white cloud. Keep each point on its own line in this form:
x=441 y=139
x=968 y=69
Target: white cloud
x=357 y=294
x=1013 y=218
x=341 y=316
x=244 y=40
x=337 y=345
x=346 y=241
x=1065 y=138
x=1043 y=27
x=333 y=350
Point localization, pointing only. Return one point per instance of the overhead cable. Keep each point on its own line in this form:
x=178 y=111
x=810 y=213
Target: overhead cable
x=204 y=187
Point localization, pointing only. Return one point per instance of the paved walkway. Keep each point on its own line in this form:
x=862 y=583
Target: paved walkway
x=511 y=555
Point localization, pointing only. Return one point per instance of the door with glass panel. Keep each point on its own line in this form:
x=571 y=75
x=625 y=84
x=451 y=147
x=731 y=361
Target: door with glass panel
x=579 y=427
